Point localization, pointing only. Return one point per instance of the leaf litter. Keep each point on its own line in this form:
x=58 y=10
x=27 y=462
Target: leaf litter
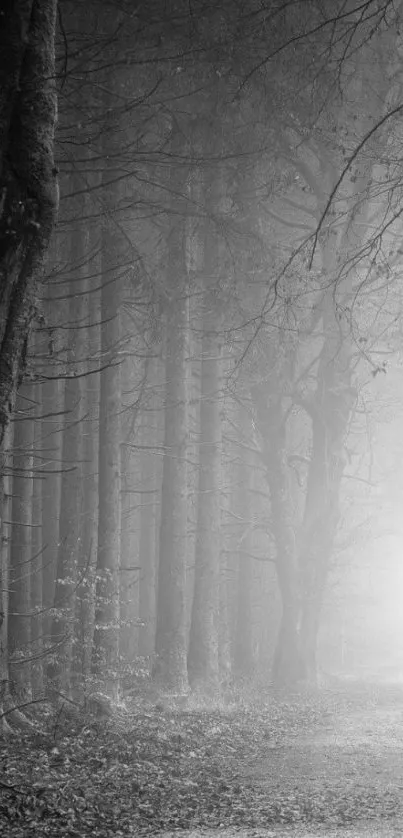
x=327 y=759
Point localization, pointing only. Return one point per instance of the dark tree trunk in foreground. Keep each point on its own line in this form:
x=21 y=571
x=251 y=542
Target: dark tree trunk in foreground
x=5 y=539
x=28 y=191
x=28 y=187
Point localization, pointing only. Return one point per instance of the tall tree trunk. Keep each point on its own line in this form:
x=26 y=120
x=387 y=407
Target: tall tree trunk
x=27 y=178
x=5 y=536
x=147 y=533
x=88 y=547
x=51 y=399
x=62 y=632
x=170 y=642
x=71 y=493
x=88 y=518
x=288 y=664
x=243 y=645
x=114 y=246
x=37 y=558
x=19 y=603
x=332 y=404
x=203 y=651
x=203 y=659
x=331 y=409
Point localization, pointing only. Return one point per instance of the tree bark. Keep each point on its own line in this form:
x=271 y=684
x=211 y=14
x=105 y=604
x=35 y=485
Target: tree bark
x=147 y=536
x=288 y=664
x=243 y=646
x=19 y=603
x=106 y=632
x=28 y=185
x=71 y=495
x=28 y=190
x=170 y=643
x=331 y=410
x=203 y=659
x=37 y=559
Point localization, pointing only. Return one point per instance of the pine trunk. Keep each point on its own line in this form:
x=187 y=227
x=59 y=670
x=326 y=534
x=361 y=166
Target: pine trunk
x=27 y=178
x=106 y=631
x=170 y=643
x=203 y=654
x=19 y=603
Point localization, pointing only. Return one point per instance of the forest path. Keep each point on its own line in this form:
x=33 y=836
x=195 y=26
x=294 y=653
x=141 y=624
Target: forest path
x=347 y=766
x=256 y=764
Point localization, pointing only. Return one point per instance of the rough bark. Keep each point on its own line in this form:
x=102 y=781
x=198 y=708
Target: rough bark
x=28 y=186
x=19 y=603
x=5 y=533
x=28 y=190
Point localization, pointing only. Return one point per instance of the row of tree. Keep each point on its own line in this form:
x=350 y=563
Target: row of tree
x=204 y=336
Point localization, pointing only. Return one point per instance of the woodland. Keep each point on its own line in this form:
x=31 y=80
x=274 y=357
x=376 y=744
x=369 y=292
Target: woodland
x=200 y=349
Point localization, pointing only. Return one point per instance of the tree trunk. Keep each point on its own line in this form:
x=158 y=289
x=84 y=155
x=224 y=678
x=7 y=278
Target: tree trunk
x=28 y=186
x=287 y=665
x=114 y=245
x=203 y=660
x=147 y=537
x=243 y=646
x=27 y=178
x=19 y=603
x=63 y=624
x=69 y=569
x=88 y=273
x=5 y=534
x=37 y=558
x=170 y=642
x=331 y=411
x=51 y=399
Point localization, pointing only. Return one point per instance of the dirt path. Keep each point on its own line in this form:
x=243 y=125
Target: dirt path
x=349 y=763
x=258 y=765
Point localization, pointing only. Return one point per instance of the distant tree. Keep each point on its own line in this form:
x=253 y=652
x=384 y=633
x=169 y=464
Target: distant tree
x=113 y=250
x=203 y=651
x=170 y=643
x=71 y=488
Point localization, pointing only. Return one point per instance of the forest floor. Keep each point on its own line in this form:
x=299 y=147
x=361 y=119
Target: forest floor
x=328 y=763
